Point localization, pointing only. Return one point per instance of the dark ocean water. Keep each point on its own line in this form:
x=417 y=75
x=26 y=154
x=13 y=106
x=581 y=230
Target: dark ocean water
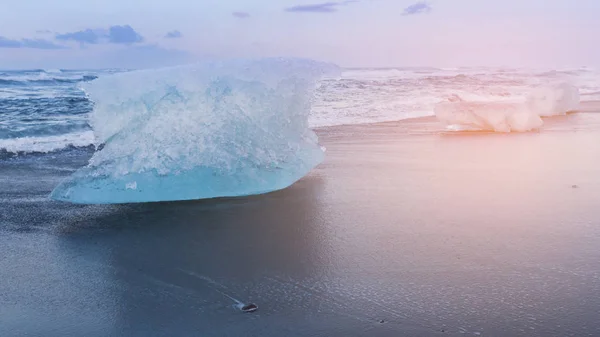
x=43 y=111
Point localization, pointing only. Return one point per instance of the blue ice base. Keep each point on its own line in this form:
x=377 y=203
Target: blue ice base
x=199 y=183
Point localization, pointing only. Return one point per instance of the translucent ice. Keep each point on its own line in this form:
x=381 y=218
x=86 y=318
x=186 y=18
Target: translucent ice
x=199 y=131
x=555 y=100
x=491 y=116
x=509 y=116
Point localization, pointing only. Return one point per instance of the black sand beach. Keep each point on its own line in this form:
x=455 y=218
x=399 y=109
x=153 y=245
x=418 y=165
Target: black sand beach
x=404 y=230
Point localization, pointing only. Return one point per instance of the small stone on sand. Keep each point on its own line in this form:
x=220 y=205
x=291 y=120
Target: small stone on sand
x=251 y=307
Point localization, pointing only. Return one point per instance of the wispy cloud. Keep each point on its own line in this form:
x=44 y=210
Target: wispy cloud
x=40 y=44
x=326 y=7
x=43 y=31
x=241 y=15
x=115 y=34
x=83 y=36
x=8 y=43
x=29 y=43
x=175 y=34
x=417 y=8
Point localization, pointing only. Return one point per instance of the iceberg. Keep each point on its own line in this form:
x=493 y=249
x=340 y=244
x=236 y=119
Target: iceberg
x=213 y=129
x=507 y=116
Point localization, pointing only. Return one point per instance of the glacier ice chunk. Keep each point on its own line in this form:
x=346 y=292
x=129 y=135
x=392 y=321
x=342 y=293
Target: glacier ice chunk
x=507 y=116
x=214 y=129
x=490 y=116
x=554 y=100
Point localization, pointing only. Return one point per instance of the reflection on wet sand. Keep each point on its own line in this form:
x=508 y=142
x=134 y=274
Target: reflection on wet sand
x=196 y=258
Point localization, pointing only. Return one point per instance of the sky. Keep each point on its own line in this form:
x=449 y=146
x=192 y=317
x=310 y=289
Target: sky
x=350 y=33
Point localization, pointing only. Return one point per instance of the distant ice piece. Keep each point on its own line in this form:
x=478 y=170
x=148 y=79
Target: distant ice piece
x=490 y=116
x=554 y=100
x=507 y=116
x=200 y=131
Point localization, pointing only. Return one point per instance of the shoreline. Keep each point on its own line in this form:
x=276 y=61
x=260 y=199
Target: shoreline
x=403 y=230
x=430 y=122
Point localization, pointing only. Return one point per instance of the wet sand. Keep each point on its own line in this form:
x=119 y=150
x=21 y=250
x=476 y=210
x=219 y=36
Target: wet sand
x=404 y=230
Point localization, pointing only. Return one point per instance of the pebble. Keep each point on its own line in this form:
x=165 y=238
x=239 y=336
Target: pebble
x=250 y=307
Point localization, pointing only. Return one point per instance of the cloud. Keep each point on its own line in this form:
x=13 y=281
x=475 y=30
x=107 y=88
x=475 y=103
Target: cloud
x=7 y=43
x=115 y=34
x=241 y=15
x=43 y=31
x=327 y=7
x=84 y=36
x=40 y=44
x=417 y=8
x=29 y=43
x=173 y=34
x=124 y=35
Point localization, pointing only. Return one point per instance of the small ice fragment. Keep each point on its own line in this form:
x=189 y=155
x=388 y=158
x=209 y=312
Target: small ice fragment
x=131 y=186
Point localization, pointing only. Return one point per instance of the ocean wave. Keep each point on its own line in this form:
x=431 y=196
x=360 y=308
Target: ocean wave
x=46 y=144
x=42 y=102
x=33 y=99
x=591 y=93
x=22 y=80
x=395 y=73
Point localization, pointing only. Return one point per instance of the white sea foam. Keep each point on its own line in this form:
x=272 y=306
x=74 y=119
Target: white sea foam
x=47 y=143
x=45 y=76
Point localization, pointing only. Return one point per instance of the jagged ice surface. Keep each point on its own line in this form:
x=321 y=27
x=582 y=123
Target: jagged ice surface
x=199 y=131
x=509 y=115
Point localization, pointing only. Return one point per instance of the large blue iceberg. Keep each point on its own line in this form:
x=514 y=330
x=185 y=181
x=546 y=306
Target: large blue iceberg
x=206 y=130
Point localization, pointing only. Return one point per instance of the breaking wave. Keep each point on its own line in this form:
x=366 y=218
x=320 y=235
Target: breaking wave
x=46 y=144
x=19 y=81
